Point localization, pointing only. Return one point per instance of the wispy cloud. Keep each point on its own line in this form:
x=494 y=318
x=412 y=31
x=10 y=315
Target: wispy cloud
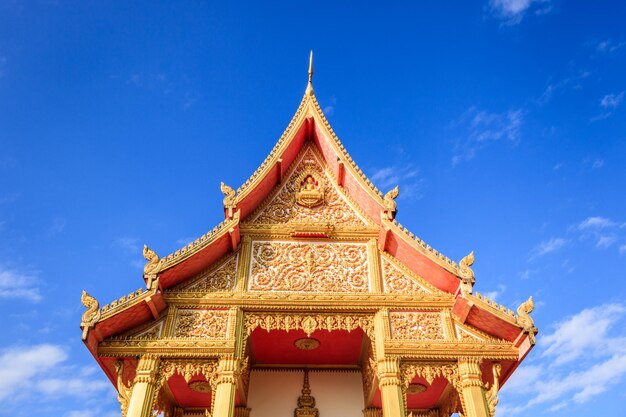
x=606 y=46
x=406 y=176
x=512 y=12
x=483 y=127
x=580 y=359
x=609 y=102
x=128 y=244
x=3 y=63
x=17 y=284
x=572 y=82
x=604 y=231
x=547 y=246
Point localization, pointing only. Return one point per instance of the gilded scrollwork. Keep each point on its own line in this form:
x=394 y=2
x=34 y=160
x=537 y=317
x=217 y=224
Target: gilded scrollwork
x=218 y=278
x=492 y=391
x=201 y=323
x=322 y=203
x=309 y=267
x=308 y=323
x=123 y=391
x=416 y=325
x=187 y=368
x=399 y=281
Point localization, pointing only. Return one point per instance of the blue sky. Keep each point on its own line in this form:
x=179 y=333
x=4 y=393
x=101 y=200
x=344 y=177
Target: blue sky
x=503 y=122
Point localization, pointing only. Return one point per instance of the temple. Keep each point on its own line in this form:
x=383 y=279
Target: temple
x=308 y=300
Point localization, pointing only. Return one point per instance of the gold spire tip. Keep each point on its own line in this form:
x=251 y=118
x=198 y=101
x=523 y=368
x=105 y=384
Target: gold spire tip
x=311 y=68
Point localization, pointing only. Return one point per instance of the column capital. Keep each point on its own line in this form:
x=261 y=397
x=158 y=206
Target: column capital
x=388 y=371
x=470 y=373
x=147 y=369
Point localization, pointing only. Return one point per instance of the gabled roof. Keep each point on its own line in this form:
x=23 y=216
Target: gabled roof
x=308 y=125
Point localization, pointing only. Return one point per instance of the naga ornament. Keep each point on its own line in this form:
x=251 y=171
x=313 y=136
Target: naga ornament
x=230 y=199
x=467 y=275
x=152 y=266
x=92 y=315
x=524 y=319
x=389 y=202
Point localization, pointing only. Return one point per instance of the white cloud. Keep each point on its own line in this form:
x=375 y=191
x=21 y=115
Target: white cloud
x=612 y=101
x=405 y=176
x=484 y=127
x=547 y=246
x=21 y=366
x=622 y=249
x=595 y=223
x=571 y=82
x=40 y=375
x=130 y=245
x=20 y=285
x=512 y=11
x=607 y=45
x=578 y=360
x=597 y=164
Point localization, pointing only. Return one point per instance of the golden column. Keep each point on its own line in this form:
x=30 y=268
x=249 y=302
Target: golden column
x=388 y=370
x=142 y=397
x=227 y=370
x=472 y=392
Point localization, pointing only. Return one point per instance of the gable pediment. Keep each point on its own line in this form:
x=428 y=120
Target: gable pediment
x=309 y=194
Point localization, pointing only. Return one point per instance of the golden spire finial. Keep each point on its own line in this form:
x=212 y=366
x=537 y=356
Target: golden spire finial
x=311 y=68
x=309 y=87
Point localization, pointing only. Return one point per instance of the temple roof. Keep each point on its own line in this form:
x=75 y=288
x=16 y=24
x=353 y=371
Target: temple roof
x=309 y=127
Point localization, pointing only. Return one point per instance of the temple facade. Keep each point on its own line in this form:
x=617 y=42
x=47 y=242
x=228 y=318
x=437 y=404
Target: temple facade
x=308 y=300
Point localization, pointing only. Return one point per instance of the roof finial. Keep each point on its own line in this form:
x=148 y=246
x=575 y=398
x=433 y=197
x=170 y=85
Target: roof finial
x=309 y=87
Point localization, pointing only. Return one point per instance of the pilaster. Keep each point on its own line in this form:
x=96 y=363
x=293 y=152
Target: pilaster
x=224 y=403
x=472 y=392
x=142 y=397
x=391 y=387
x=243 y=264
x=373 y=257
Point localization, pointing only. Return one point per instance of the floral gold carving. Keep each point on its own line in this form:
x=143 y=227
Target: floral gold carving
x=308 y=267
x=188 y=368
x=206 y=324
x=430 y=371
x=322 y=203
x=92 y=315
x=399 y=281
x=416 y=326
x=308 y=323
x=220 y=277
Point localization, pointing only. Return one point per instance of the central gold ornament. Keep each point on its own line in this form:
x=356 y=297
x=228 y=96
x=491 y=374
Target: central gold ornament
x=307 y=343
x=200 y=386
x=413 y=389
x=310 y=192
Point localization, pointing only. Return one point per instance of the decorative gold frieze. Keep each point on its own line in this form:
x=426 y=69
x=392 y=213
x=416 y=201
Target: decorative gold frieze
x=307 y=195
x=416 y=325
x=429 y=371
x=206 y=324
x=188 y=368
x=309 y=267
x=307 y=323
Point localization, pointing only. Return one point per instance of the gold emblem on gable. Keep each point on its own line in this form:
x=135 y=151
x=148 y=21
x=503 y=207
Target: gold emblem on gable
x=310 y=189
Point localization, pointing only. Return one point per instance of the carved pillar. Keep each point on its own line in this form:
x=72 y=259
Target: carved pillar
x=224 y=404
x=142 y=397
x=472 y=392
x=391 y=387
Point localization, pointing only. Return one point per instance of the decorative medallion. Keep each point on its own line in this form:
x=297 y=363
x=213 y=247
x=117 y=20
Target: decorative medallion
x=200 y=386
x=307 y=343
x=415 y=388
x=310 y=190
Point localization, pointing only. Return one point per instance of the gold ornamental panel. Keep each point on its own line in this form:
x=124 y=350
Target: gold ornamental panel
x=287 y=204
x=309 y=267
x=416 y=325
x=201 y=323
